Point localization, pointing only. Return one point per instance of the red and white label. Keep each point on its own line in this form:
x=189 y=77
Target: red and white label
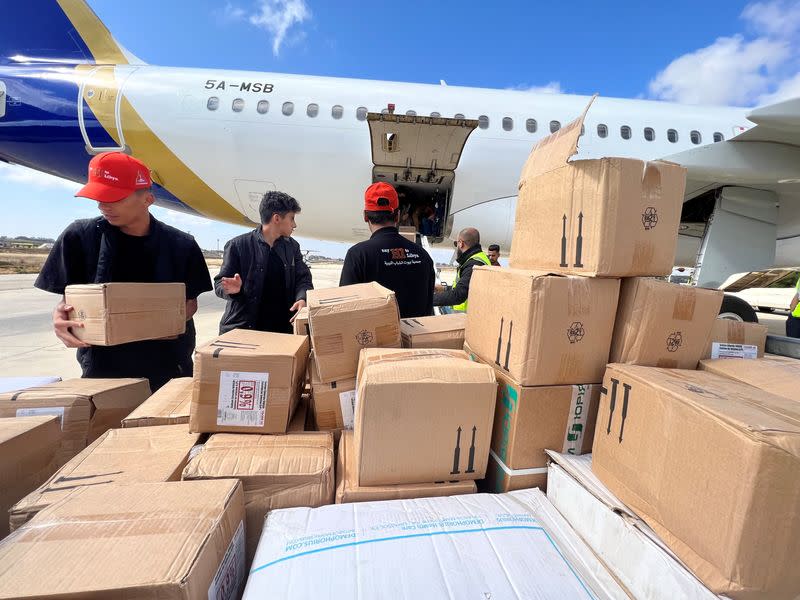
x=242 y=398
x=229 y=577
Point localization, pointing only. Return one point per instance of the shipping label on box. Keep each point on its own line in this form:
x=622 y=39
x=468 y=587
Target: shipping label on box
x=611 y=217
x=347 y=319
x=662 y=324
x=686 y=451
x=119 y=313
x=734 y=339
x=422 y=415
x=248 y=381
x=541 y=329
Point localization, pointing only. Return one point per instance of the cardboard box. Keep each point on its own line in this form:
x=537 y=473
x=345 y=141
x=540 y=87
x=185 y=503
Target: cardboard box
x=735 y=339
x=167 y=406
x=28 y=448
x=86 y=408
x=346 y=319
x=530 y=420
x=300 y=416
x=300 y=322
x=662 y=324
x=626 y=545
x=440 y=331
x=540 y=328
x=772 y=374
x=422 y=415
x=409 y=232
x=118 y=313
x=348 y=490
x=141 y=541
x=248 y=382
x=713 y=466
x=477 y=546
x=334 y=402
x=136 y=455
x=501 y=478
x=611 y=217
x=277 y=471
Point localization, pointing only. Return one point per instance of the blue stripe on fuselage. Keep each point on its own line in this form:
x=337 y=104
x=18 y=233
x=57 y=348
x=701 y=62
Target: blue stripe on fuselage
x=40 y=129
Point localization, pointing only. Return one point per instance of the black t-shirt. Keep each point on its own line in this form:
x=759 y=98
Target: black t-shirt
x=273 y=313
x=94 y=251
x=397 y=264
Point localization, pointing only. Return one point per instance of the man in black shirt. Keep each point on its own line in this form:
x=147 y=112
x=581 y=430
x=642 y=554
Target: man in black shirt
x=263 y=276
x=125 y=244
x=390 y=259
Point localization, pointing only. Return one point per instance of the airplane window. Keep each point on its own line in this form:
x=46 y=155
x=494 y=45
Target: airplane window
x=262 y=107
x=312 y=110
x=436 y=115
x=213 y=103
x=237 y=105
x=718 y=137
x=287 y=108
x=337 y=111
x=554 y=126
x=649 y=134
x=602 y=130
x=508 y=123
x=672 y=135
x=530 y=125
x=483 y=122
x=458 y=116
x=696 y=137
x=361 y=113
x=411 y=113
x=625 y=132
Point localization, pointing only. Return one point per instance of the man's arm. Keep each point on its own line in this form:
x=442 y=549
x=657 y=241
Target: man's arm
x=794 y=302
x=458 y=294
x=62 y=324
x=228 y=283
x=351 y=271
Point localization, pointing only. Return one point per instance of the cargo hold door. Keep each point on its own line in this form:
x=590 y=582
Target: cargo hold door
x=419 y=156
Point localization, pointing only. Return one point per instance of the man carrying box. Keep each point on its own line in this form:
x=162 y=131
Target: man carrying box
x=390 y=259
x=125 y=244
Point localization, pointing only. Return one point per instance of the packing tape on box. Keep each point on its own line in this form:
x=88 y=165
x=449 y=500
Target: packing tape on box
x=516 y=472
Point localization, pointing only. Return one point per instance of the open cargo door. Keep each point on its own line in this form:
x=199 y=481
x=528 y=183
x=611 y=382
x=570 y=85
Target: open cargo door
x=419 y=157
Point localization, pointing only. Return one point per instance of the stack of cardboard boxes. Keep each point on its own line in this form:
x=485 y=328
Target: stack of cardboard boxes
x=546 y=324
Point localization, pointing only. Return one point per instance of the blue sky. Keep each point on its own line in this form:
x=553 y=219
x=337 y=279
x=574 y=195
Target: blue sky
x=710 y=52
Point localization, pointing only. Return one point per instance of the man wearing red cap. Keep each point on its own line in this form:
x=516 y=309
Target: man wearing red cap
x=125 y=244
x=389 y=258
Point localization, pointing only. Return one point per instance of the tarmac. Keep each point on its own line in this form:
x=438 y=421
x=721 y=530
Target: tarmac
x=28 y=346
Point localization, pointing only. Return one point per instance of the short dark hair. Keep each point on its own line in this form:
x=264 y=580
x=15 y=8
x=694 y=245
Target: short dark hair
x=277 y=203
x=494 y=248
x=381 y=217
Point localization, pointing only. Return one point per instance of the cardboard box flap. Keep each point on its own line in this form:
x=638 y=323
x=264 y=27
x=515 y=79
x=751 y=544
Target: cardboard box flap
x=774 y=374
x=348 y=298
x=171 y=401
x=766 y=417
x=165 y=526
x=14 y=426
x=427 y=364
x=437 y=324
x=74 y=389
x=103 y=299
x=259 y=458
x=556 y=149
x=246 y=342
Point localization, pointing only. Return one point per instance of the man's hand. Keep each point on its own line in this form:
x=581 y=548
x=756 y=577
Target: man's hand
x=62 y=324
x=438 y=288
x=191 y=308
x=232 y=285
x=297 y=306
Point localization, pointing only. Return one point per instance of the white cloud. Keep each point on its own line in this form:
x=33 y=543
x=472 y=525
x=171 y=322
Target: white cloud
x=553 y=87
x=276 y=17
x=24 y=175
x=741 y=69
x=789 y=88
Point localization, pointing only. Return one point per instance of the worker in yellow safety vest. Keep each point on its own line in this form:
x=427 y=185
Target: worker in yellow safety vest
x=469 y=254
x=793 y=322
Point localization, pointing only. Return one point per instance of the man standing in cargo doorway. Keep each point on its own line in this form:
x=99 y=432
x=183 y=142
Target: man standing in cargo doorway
x=125 y=244
x=469 y=253
x=389 y=258
x=263 y=276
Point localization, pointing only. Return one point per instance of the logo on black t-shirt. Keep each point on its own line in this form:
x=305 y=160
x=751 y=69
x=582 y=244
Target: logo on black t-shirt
x=398 y=253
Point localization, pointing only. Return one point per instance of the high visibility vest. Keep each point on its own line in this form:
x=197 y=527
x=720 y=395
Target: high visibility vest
x=796 y=311
x=480 y=257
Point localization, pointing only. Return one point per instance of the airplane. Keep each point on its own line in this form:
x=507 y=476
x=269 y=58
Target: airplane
x=217 y=140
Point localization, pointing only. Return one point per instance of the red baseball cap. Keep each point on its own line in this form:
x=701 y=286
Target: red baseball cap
x=113 y=176
x=381 y=197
